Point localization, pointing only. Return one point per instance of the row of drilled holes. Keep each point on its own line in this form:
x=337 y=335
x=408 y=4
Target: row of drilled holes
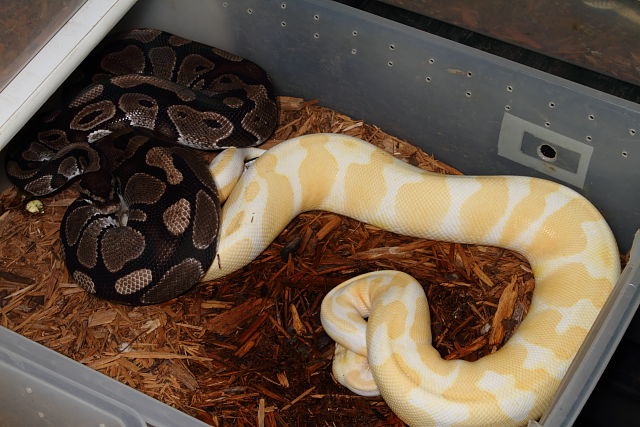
x=468 y=94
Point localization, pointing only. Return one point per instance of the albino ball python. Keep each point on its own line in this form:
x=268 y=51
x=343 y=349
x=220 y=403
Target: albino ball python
x=570 y=247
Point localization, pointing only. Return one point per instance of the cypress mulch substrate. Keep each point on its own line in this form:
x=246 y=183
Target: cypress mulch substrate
x=249 y=349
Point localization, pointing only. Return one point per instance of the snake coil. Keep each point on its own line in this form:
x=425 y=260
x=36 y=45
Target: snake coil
x=145 y=227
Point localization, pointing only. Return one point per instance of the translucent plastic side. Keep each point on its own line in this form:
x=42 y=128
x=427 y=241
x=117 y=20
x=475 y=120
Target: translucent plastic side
x=601 y=35
x=26 y=26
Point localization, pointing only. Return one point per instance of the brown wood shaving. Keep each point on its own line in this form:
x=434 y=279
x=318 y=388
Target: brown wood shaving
x=249 y=349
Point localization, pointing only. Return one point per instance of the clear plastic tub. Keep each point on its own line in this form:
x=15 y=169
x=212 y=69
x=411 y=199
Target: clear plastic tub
x=473 y=110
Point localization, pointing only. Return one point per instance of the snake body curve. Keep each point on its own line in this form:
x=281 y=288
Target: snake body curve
x=145 y=227
x=570 y=247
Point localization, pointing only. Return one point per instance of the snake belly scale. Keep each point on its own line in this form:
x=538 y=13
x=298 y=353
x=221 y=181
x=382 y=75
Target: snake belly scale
x=570 y=247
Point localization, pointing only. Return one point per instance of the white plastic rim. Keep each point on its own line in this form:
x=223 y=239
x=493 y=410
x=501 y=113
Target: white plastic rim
x=44 y=73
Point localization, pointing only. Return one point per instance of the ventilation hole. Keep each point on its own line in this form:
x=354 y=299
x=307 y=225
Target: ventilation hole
x=354 y=51
x=547 y=153
x=283 y=5
x=427 y=79
x=625 y=154
x=354 y=33
x=552 y=104
x=588 y=138
x=250 y=11
x=547 y=124
x=468 y=94
x=509 y=88
x=316 y=17
x=432 y=61
x=632 y=132
x=392 y=46
x=591 y=117
x=283 y=24
x=507 y=107
x=469 y=74
x=316 y=35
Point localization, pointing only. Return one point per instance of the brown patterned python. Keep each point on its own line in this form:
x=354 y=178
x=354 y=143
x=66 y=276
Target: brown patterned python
x=144 y=229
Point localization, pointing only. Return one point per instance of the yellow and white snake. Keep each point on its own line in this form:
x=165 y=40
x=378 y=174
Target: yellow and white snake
x=570 y=247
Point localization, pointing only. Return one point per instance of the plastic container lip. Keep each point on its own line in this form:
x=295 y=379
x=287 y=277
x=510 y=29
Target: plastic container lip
x=58 y=399
x=37 y=25
x=53 y=63
x=93 y=391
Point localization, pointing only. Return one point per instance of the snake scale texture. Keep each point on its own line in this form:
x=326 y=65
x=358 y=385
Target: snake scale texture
x=148 y=224
x=145 y=227
x=570 y=247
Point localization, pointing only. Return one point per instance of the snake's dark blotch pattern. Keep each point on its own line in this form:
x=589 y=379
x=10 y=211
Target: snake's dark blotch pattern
x=144 y=229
